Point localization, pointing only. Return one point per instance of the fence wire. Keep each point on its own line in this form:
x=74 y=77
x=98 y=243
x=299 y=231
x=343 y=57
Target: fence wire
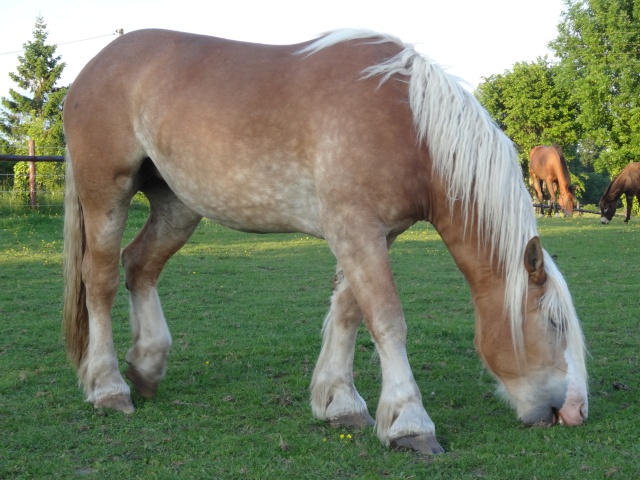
x=18 y=198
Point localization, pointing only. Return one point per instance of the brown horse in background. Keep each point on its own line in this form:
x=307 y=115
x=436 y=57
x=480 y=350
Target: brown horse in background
x=547 y=164
x=628 y=183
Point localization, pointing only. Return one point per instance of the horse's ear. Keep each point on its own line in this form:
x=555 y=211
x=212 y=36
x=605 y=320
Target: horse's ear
x=534 y=261
x=572 y=189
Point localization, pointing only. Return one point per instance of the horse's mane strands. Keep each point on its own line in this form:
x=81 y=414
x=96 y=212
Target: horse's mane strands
x=556 y=304
x=480 y=166
x=477 y=161
x=345 y=35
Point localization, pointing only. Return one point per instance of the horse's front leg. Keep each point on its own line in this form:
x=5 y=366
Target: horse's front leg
x=629 y=207
x=334 y=397
x=553 y=191
x=402 y=421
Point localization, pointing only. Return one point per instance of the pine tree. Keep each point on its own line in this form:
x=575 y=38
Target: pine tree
x=35 y=114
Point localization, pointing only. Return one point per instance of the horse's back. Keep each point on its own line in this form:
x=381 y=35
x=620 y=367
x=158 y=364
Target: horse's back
x=246 y=133
x=630 y=175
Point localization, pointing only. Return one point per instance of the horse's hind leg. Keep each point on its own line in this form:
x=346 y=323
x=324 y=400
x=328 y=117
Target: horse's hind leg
x=334 y=397
x=98 y=371
x=169 y=226
x=537 y=186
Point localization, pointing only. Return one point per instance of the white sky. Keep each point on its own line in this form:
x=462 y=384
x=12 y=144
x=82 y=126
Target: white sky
x=471 y=38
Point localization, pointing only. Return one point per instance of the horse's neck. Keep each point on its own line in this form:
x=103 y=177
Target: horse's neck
x=564 y=180
x=617 y=187
x=471 y=255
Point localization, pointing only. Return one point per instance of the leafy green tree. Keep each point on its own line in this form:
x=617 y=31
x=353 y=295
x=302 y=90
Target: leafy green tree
x=598 y=47
x=530 y=107
x=35 y=112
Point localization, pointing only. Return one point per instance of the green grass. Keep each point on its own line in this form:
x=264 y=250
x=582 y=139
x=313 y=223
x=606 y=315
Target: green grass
x=245 y=312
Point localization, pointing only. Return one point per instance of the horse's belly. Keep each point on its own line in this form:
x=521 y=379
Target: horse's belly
x=252 y=202
x=265 y=217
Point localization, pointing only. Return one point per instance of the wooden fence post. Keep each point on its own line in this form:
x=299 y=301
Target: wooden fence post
x=33 y=201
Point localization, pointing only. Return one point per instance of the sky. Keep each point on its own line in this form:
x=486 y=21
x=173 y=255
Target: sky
x=472 y=39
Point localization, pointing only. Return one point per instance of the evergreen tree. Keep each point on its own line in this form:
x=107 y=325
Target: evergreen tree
x=35 y=114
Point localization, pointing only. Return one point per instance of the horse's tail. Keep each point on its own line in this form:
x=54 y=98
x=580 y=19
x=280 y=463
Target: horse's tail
x=75 y=318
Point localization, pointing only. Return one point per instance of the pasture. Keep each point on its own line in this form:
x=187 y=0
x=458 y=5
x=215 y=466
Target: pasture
x=245 y=312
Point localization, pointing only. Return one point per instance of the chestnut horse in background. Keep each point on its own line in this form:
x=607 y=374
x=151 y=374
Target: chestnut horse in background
x=353 y=138
x=626 y=183
x=547 y=164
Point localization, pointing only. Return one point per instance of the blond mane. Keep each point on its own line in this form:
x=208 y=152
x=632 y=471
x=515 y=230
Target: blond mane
x=480 y=165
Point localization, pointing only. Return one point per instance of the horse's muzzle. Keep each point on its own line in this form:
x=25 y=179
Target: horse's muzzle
x=571 y=416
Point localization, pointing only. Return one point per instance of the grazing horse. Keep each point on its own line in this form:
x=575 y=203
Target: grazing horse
x=547 y=164
x=352 y=137
x=628 y=183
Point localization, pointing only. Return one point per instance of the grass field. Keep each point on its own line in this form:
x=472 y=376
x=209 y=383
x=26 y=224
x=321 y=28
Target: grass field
x=245 y=312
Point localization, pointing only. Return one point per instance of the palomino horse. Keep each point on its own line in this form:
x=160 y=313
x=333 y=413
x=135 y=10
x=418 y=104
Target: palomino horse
x=352 y=138
x=628 y=183
x=547 y=164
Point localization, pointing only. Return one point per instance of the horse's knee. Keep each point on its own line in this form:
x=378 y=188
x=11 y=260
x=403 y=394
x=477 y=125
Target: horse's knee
x=100 y=280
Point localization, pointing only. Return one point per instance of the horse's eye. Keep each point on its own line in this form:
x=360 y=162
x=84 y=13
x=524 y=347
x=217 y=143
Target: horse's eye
x=558 y=325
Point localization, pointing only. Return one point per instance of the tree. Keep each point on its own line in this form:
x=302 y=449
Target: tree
x=597 y=46
x=35 y=114
x=530 y=107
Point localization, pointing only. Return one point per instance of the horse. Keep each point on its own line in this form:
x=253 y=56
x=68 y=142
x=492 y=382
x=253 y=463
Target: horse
x=351 y=137
x=628 y=183
x=547 y=164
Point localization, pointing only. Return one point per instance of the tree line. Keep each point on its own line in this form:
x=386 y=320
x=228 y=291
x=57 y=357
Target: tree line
x=586 y=101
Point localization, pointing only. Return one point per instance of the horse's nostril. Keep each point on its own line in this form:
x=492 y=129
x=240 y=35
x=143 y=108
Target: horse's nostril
x=584 y=413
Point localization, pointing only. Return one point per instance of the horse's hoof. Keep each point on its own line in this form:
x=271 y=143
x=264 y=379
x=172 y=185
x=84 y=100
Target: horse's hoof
x=353 y=420
x=425 y=444
x=121 y=403
x=144 y=388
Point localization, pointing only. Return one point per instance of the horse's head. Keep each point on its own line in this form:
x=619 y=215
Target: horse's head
x=542 y=372
x=567 y=200
x=607 y=210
